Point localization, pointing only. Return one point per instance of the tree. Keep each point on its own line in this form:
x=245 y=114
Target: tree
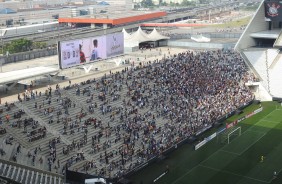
x=20 y=45
x=147 y=3
x=163 y=3
x=203 y=1
x=187 y=3
x=39 y=45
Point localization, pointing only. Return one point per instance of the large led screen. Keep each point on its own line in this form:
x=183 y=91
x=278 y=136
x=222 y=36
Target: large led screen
x=115 y=44
x=76 y=52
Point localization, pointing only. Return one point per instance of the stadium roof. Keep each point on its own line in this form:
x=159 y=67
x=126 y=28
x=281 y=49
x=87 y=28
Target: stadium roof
x=155 y=35
x=15 y=76
x=114 y=17
x=125 y=34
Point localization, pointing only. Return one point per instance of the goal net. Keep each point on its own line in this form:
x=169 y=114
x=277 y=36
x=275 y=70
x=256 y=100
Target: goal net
x=230 y=134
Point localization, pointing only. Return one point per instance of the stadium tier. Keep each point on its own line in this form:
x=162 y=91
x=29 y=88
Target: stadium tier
x=112 y=125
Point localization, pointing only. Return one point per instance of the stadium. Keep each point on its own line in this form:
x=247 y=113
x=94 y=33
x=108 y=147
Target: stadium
x=128 y=107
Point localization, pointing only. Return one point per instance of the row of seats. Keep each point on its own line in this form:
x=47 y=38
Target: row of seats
x=27 y=176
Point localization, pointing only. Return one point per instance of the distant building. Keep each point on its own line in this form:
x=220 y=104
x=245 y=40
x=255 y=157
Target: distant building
x=7 y=11
x=156 y=2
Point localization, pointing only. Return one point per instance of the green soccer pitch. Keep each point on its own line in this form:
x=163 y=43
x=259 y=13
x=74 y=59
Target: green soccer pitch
x=236 y=163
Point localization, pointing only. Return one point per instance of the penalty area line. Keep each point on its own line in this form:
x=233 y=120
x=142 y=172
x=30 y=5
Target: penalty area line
x=228 y=172
x=233 y=153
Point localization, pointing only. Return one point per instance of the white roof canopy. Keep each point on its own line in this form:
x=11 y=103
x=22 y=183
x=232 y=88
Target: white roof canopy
x=140 y=36
x=155 y=35
x=126 y=34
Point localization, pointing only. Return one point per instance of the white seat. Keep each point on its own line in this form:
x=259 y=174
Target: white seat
x=36 y=178
x=32 y=174
x=18 y=174
x=41 y=179
x=23 y=174
x=14 y=172
x=8 y=172
x=26 y=177
x=3 y=171
x=46 y=179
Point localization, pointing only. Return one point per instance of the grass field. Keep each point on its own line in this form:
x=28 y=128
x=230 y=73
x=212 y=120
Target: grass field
x=234 y=163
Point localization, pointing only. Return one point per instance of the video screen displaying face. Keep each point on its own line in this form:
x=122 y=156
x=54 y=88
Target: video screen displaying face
x=76 y=52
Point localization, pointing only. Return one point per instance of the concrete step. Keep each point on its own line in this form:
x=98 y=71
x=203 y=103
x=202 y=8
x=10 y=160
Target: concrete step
x=27 y=176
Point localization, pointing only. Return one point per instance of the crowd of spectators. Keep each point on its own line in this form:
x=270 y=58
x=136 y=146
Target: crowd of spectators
x=156 y=111
x=231 y=29
x=147 y=108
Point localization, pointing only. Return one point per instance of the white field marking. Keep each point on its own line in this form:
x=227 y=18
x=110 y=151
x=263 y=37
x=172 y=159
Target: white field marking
x=272 y=121
x=228 y=172
x=178 y=179
x=263 y=134
x=259 y=132
x=277 y=175
x=233 y=153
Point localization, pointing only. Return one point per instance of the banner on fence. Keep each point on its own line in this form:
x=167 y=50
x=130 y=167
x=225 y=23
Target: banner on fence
x=207 y=139
x=202 y=143
x=243 y=118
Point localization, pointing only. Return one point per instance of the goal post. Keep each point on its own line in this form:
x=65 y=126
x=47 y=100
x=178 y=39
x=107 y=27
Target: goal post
x=233 y=132
x=226 y=135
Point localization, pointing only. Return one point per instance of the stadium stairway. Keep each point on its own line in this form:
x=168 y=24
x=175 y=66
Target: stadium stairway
x=59 y=127
x=105 y=118
x=27 y=175
x=44 y=143
x=41 y=122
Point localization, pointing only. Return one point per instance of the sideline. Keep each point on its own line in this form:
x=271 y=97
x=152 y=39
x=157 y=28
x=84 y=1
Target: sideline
x=228 y=172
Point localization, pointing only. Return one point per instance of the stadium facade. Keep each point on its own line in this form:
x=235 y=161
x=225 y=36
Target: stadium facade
x=260 y=45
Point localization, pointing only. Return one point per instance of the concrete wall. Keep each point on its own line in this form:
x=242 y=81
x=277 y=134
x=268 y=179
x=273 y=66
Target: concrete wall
x=256 y=24
x=209 y=35
x=163 y=43
x=29 y=55
x=131 y=49
x=179 y=43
